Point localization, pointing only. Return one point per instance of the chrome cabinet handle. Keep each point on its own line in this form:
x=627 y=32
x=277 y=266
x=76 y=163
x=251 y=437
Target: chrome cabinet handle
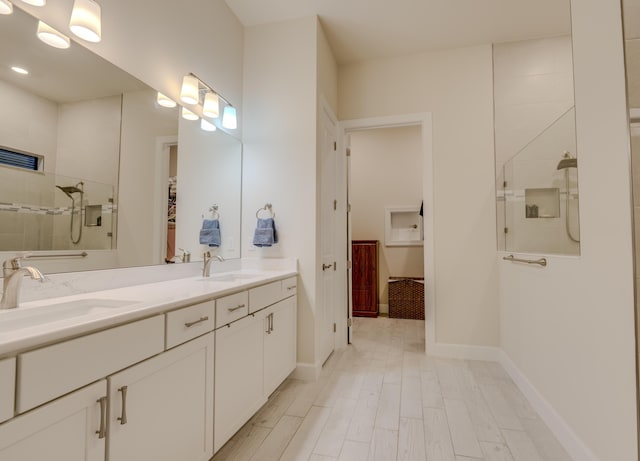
x=291 y=287
x=102 y=432
x=271 y=322
x=232 y=309
x=123 y=418
x=195 y=322
x=268 y=324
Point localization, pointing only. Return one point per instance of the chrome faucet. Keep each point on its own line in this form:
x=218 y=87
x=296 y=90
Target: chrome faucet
x=208 y=259
x=13 y=272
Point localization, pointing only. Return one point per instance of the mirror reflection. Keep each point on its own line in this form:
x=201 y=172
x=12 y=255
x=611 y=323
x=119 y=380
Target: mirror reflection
x=104 y=162
x=535 y=143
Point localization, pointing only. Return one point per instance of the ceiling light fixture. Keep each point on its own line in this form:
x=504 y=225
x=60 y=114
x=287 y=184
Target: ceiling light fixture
x=85 y=20
x=6 y=7
x=35 y=2
x=229 y=118
x=165 y=101
x=190 y=93
x=20 y=70
x=211 y=106
x=207 y=125
x=188 y=115
x=52 y=37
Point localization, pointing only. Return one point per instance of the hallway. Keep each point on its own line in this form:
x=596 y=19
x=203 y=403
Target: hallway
x=382 y=399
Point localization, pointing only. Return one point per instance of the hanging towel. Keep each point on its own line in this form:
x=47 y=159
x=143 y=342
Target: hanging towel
x=210 y=233
x=265 y=234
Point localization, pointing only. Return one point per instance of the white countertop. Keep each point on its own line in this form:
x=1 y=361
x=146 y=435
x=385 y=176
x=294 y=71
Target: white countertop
x=40 y=322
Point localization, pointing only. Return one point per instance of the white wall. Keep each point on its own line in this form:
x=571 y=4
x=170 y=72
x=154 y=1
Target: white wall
x=386 y=171
x=456 y=86
x=279 y=160
x=209 y=173
x=568 y=328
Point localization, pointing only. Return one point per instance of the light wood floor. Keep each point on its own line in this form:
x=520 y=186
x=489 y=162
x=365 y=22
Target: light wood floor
x=382 y=399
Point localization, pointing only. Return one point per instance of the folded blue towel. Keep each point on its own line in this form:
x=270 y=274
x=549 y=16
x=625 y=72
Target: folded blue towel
x=210 y=233
x=265 y=234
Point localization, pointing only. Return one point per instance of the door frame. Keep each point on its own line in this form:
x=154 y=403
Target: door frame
x=161 y=173
x=424 y=120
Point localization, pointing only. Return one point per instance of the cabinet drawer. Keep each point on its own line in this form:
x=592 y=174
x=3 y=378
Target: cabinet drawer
x=46 y=373
x=190 y=322
x=265 y=295
x=289 y=286
x=231 y=308
x=7 y=388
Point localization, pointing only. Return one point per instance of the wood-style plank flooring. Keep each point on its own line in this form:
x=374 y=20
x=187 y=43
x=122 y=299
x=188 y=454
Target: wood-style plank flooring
x=383 y=399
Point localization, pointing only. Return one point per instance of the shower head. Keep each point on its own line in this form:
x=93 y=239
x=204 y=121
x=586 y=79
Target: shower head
x=68 y=190
x=567 y=163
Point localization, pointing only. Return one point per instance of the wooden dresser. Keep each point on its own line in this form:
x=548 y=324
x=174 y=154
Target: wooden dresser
x=364 y=278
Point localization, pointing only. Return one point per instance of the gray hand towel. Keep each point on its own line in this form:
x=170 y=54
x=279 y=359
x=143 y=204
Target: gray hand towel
x=210 y=233
x=265 y=234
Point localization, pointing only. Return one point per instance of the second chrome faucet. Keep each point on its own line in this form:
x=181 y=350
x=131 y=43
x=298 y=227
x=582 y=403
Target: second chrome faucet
x=208 y=259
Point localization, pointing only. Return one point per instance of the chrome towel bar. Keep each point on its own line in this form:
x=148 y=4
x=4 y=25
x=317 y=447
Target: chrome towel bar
x=541 y=262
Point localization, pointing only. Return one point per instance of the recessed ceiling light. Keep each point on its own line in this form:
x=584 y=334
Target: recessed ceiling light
x=19 y=70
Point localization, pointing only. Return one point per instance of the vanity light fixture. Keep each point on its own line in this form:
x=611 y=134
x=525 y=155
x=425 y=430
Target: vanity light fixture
x=207 y=125
x=85 y=20
x=190 y=93
x=165 y=101
x=229 y=118
x=20 y=70
x=211 y=107
x=6 y=7
x=35 y=2
x=188 y=115
x=52 y=37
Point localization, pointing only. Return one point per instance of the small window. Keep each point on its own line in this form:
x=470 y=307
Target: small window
x=20 y=160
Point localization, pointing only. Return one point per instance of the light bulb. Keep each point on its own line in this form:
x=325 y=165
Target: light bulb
x=85 y=20
x=229 y=119
x=188 y=115
x=189 y=93
x=211 y=106
x=165 y=101
x=207 y=126
x=52 y=37
x=35 y=2
x=6 y=7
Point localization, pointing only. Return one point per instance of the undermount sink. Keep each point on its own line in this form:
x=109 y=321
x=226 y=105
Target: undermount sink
x=229 y=277
x=18 y=318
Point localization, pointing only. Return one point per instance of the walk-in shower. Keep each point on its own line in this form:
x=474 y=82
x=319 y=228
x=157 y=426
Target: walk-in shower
x=568 y=162
x=69 y=191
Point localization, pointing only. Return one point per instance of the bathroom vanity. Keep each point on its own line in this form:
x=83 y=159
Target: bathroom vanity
x=161 y=371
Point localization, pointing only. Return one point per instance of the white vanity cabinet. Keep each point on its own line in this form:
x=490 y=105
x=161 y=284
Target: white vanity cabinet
x=238 y=376
x=279 y=343
x=67 y=429
x=7 y=387
x=162 y=408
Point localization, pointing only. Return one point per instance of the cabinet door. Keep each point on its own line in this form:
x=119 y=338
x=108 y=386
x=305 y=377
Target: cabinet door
x=364 y=277
x=66 y=429
x=162 y=408
x=279 y=343
x=238 y=376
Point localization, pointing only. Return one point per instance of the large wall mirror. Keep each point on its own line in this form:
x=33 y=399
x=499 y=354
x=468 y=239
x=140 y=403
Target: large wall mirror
x=535 y=143
x=90 y=162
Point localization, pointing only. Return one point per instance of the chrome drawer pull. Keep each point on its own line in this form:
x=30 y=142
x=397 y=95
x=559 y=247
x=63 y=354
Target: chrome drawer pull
x=291 y=288
x=195 y=322
x=102 y=432
x=232 y=309
x=123 y=418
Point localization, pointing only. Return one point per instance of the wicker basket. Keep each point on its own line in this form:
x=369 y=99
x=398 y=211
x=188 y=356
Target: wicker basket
x=406 y=298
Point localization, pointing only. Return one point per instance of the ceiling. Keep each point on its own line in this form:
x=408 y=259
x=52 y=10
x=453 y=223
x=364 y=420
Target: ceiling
x=359 y=30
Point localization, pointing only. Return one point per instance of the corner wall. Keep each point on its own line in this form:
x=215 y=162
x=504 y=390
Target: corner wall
x=456 y=87
x=568 y=329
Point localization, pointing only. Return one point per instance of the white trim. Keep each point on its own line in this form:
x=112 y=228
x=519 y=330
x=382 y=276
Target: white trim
x=306 y=371
x=161 y=175
x=425 y=121
x=563 y=432
x=383 y=309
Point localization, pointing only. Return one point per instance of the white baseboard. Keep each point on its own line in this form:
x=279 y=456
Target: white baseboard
x=306 y=371
x=565 y=435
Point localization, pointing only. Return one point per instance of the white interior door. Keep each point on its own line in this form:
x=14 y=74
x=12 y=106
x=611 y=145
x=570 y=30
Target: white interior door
x=328 y=211
x=349 y=237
